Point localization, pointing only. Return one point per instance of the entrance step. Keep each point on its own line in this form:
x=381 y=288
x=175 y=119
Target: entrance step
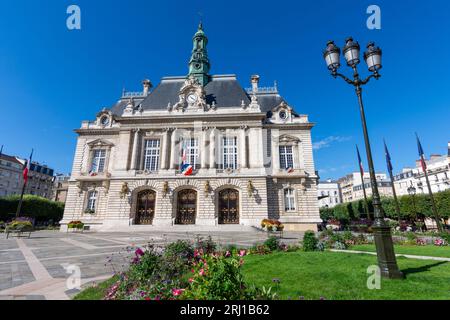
x=177 y=228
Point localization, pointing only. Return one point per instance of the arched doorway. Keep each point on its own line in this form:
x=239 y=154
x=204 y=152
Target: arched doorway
x=145 y=209
x=186 y=207
x=229 y=206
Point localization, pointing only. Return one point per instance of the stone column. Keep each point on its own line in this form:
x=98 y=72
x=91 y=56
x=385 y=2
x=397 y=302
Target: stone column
x=257 y=150
x=203 y=149
x=212 y=147
x=173 y=152
x=275 y=152
x=164 y=149
x=243 y=147
x=133 y=165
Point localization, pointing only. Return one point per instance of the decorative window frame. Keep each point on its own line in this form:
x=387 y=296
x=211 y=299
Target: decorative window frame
x=295 y=195
x=141 y=158
x=221 y=166
x=291 y=141
x=143 y=149
x=86 y=201
x=99 y=144
x=199 y=148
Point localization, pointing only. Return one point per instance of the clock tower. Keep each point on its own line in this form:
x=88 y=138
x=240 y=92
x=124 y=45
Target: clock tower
x=199 y=63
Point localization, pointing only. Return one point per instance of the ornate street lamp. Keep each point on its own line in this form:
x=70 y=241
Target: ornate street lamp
x=412 y=192
x=382 y=232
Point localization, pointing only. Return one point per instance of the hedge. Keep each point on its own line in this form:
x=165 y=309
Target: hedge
x=346 y=212
x=36 y=207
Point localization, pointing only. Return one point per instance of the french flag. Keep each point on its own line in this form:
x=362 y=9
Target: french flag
x=421 y=155
x=26 y=169
x=186 y=168
x=361 y=166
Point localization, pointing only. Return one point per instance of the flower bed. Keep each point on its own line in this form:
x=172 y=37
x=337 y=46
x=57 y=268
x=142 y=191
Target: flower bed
x=272 y=225
x=182 y=271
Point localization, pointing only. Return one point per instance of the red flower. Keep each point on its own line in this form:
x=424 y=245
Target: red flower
x=139 y=252
x=177 y=292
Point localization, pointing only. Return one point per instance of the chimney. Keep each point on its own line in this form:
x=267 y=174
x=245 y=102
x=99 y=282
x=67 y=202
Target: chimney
x=255 y=81
x=147 y=86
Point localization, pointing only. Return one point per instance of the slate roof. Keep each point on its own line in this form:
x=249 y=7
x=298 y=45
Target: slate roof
x=10 y=159
x=224 y=90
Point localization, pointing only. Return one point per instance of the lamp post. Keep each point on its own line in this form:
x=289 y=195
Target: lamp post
x=412 y=192
x=382 y=232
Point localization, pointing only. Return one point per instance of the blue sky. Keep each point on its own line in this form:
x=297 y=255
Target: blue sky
x=52 y=78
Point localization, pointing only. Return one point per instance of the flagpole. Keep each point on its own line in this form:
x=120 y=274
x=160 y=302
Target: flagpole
x=425 y=171
x=363 y=185
x=391 y=176
x=25 y=180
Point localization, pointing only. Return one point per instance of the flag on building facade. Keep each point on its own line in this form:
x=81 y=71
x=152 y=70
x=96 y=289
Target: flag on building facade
x=388 y=159
x=421 y=155
x=186 y=167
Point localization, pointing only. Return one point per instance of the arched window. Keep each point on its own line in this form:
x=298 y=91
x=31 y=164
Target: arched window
x=289 y=199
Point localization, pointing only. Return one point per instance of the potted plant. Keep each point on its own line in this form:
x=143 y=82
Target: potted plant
x=77 y=225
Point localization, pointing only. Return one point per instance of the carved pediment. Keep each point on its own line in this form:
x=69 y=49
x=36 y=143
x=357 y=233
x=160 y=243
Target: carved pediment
x=100 y=143
x=282 y=105
x=285 y=138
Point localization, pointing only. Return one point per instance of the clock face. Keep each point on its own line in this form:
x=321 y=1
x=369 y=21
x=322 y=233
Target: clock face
x=192 y=98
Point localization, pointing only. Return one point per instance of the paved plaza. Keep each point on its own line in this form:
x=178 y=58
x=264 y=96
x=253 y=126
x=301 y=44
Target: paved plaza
x=44 y=266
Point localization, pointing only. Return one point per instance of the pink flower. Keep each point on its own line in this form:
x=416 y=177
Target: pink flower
x=202 y=272
x=191 y=280
x=242 y=253
x=227 y=254
x=177 y=292
x=139 y=252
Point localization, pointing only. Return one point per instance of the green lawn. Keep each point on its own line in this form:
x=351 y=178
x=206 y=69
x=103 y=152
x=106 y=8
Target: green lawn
x=334 y=275
x=96 y=293
x=430 y=251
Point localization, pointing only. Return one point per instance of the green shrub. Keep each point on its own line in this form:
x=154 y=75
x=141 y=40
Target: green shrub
x=216 y=278
x=181 y=248
x=41 y=209
x=309 y=241
x=20 y=225
x=207 y=246
x=272 y=243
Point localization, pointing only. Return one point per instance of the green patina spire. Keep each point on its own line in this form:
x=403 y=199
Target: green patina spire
x=199 y=63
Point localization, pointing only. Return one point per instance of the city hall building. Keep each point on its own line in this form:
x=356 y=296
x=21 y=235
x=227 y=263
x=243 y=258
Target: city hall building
x=195 y=150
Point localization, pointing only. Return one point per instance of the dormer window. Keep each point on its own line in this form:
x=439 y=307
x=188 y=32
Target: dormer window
x=283 y=115
x=104 y=121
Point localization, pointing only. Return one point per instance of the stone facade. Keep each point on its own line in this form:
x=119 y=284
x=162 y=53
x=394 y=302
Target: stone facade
x=133 y=161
